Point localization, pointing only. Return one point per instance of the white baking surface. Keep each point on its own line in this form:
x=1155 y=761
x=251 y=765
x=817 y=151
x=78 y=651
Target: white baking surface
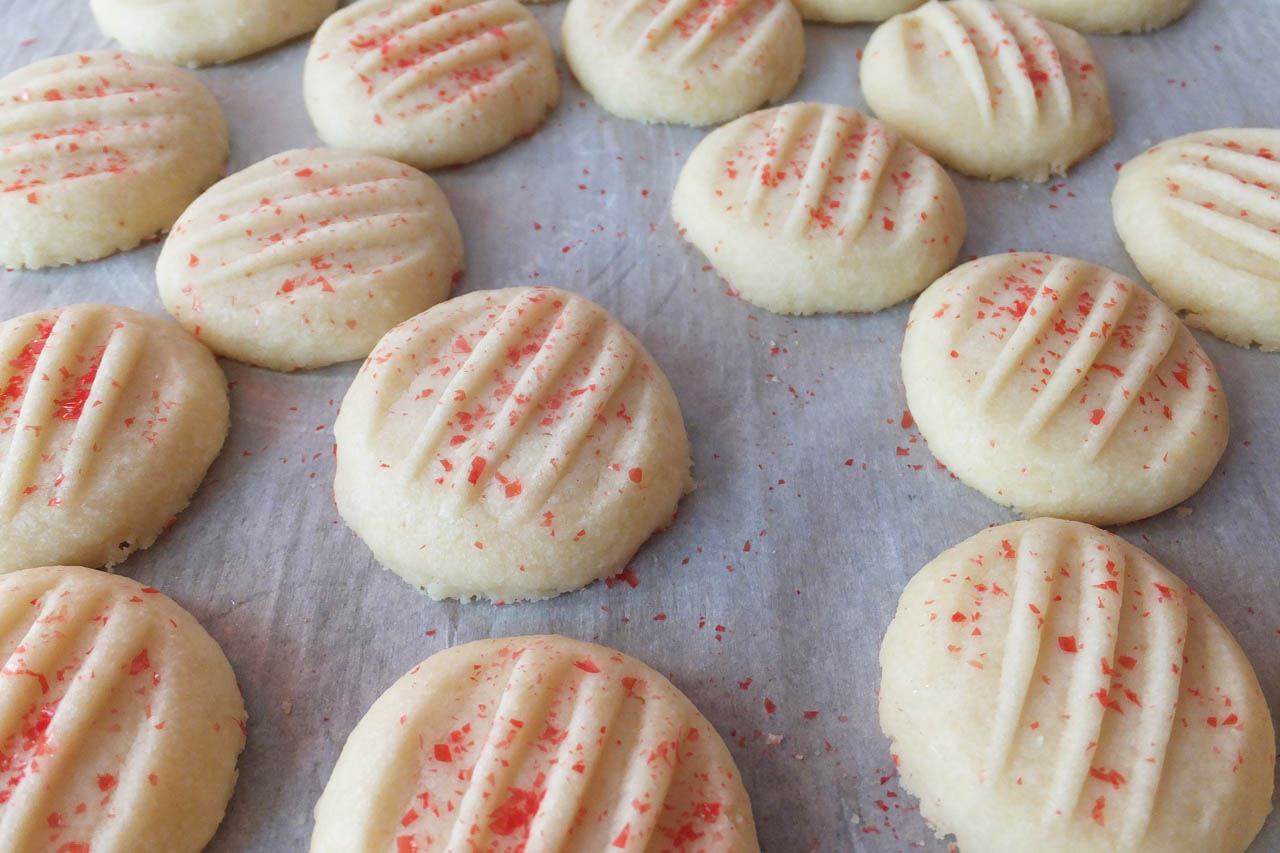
x=775 y=583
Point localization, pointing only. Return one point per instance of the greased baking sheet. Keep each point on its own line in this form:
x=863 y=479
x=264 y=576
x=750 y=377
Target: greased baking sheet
x=765 y=601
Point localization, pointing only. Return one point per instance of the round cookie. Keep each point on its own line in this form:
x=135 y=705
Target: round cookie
x=99 y=151
x=988 y=88
x=534 y=743
x=109 y=419
x=203 y=32
x=1061 y=388
x=509 y=444
x=684 y=61
x=429 y=83
x=1047 y=686
x=122 y=719
x=1200 y=216
x=1110 y=16
x=307 y=258
x=809 y=208
x=852 y=11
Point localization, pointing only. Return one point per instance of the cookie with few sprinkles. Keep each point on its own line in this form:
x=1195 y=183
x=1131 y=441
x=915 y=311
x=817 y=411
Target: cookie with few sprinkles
x=684 y=61
x=1048 y=686
x=109 y=418
x=307 y=258
x=534 y=743
x=99 y=151
x=852 y=11
x=1113 y=16
x=203 y=32
x=429 y=83
x=988 y=88
x=809 y=208
x=122 y=718
x=1062 y=388
x=509 y=444
x=1200 y=216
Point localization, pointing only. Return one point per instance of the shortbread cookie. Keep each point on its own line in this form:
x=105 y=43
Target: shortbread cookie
x=1047 y=686
x=852 y=11
x=814 y=207
x=99 y=151
x=202 y=32
x=1110 y=16
x=684 y=61
x=534 y=743
x=109 y=419
x=988 y=88
x=429 y=83
x=1061 y=388
x=122 y=719
x=1200 y=215
x=509 y=444
x=308 y=257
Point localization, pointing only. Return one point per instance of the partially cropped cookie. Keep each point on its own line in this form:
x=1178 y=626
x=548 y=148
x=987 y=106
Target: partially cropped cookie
x=307 y=258
x=1048 y=686
x=429 y=83
x=1200 y=215
x=109 y=419
x=1111 y=16
x=509 y=444
x=534 y=743
x=122 y=718
x=809 y=208
x=99 y=151
x=852 y=11
x=684 y=61
x=1062 y=388
x=988 y=88
x=203 y=32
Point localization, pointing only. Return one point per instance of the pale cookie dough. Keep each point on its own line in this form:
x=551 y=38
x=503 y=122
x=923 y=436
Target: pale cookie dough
x=1200 y=215
x=534 y=743
x=429 y=83
x=203 y=32
x=852 y=11
x=509 y=444
x=109 y=419
x=1110 y=16
x=1047 y=686
x=684 y=61
x=307 y=258
x=1061 y=388
x=122 y=718
x=810 y=208
x=99 y=151
x=988 y=88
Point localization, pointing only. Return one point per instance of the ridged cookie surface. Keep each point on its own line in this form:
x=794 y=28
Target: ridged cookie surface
x=1062 y=388
x=429 y=83
x=99 y=151
x=109 y=419
x=852 y=11
x=1047 y=686
x=307 y=258
x=988 y=88
x=202 y=32
x=509 y=444
x=120 y=718
x=684 y=61
x=1200 y=215
x=814 y=207
x=534 y=743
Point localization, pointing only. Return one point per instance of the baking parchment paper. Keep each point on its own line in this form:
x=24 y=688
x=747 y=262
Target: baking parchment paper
x=765 y=601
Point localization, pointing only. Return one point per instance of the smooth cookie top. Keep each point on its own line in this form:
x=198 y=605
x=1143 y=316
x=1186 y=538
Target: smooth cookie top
x=1048 y=686
x=1062 y=388
x=1111 y=16
x=534 y=743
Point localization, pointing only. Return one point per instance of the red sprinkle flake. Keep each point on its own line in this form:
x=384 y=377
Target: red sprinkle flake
x=907 y=420
x=959 y=617
x=1126 y=662
x=888 y=223
x=153 y=779
x=955 y=354
x=406 y=844
x=33 y=198
x=194 y=262
x=514 y=488
x=1067 y=644
x=1111 y=777
x=769 y=706
x=443 y=753
x=139 y=663
x=519 y=809
x=636 y=474
x=1096 y=417
x=303 y=173
x=56 y=821
x=810 y=715
x=621 y=841
x=1009 y=553
x=1096 y=812
x=477 y=468
x=106 y=781
x=587 y=665
x=660 y=617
